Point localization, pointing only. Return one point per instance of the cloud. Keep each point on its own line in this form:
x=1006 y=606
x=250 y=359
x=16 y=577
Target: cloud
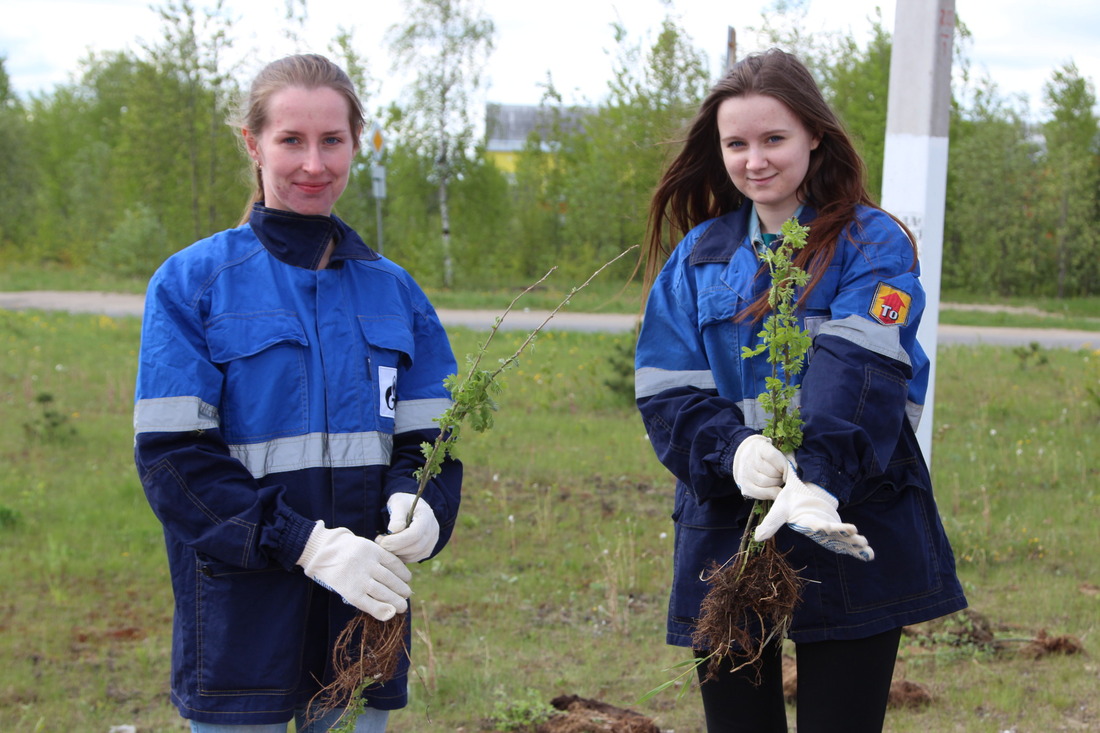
x=1016 y=42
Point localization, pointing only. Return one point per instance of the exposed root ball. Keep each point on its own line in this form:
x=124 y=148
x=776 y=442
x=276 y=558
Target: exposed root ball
x=367 y=652
x=581 y=715
x=907 y=694
x=750 y=602
x=1044 y=645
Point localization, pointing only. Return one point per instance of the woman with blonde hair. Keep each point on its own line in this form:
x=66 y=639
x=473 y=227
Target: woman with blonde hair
x=287 y=378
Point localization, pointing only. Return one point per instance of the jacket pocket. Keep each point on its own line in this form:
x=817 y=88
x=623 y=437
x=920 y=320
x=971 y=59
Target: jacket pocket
x=724 y=337
x=250 y=627
x=264 y=358
x=390 y=351
x=902 y=528
x=707 y=534
x=718 y=304
x=389 y=338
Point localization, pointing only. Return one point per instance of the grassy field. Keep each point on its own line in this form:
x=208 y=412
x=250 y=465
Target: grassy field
x=556 y=579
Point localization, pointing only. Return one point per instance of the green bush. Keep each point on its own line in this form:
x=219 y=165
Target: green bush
x=136 y=246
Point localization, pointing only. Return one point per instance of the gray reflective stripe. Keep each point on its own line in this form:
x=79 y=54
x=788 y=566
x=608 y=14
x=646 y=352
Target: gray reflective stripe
x=885 y=340
x=756 y=417
x=649 y=381
x=315 y=450
x=174 y=414
x=418 y=414
x=914 y=411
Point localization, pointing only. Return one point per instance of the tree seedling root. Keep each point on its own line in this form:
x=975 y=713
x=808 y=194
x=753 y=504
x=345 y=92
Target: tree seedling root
x=750 y=602
x=367 y=652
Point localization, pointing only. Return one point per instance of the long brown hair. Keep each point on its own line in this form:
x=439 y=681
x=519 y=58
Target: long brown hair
x=696 y=186
x=308 y=71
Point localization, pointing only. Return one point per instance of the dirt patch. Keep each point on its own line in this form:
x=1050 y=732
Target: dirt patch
x=102 y=636
x=908 y=694
x=965 y=628
x=1043 y=645
x=970 y=629
x=580 y=715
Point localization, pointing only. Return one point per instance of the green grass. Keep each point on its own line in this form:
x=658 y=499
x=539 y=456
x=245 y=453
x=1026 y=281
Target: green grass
x=1084 y=308
x=1008 y=319
x=16 y=275
x=556 y=579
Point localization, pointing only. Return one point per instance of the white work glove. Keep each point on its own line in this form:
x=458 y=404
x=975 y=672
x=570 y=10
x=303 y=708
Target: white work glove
x=362 y=573
x=759 y=468
x=811 y=510
x=416 y=541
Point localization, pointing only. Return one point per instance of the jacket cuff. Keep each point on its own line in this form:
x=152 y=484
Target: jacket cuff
x=291 y=536
x=725 y=460
x=827 y=476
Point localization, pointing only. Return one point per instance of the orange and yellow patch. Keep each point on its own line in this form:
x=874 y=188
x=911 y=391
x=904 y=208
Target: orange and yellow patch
x=890 y=306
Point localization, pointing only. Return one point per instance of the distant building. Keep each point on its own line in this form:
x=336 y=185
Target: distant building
x=508 y=127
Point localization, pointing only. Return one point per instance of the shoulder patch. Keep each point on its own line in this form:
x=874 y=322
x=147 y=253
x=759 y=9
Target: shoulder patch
x=890 y=306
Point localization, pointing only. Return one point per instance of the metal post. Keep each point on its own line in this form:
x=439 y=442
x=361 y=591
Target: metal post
x=378 y=219
x=378 y=176
x=914 y=182
x=731 y=48
x=378 y=181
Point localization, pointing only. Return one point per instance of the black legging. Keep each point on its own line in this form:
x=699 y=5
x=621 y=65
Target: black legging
x=843 y=687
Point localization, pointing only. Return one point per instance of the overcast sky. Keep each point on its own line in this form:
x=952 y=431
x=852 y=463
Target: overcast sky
x=1018 y=43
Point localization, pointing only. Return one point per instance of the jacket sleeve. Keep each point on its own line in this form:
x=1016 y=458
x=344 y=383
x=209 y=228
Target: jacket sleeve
x=857 y=388
x=204 y=497
x=693 y=429
x=422 y=398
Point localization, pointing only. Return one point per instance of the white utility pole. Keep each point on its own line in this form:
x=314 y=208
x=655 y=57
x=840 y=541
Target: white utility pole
x=731 y=48
x=914 y=180
x=378 y=177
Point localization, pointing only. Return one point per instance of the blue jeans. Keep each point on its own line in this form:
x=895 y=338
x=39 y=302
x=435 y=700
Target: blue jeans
x=371 y=721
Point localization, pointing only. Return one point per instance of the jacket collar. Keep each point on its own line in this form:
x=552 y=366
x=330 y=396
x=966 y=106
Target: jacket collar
x=300 y=239
x=730 y=231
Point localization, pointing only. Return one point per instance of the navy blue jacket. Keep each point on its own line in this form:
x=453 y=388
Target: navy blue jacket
x=271 y=395
x=860 y=396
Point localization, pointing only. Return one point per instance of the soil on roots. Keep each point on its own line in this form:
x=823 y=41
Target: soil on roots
x=750 y=602
x=1044 y=644
x=367 y=652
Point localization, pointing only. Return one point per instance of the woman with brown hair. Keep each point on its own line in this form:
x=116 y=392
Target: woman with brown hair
x=764 y=148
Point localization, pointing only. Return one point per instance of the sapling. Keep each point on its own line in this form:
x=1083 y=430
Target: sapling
x=753 y=594
x=368 y=651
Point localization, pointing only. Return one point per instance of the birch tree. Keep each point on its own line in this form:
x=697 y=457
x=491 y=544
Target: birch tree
x=448 y=44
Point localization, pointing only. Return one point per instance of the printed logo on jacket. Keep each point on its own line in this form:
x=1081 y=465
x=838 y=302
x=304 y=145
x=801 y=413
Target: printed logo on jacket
x=387 y=391
x=890 y=306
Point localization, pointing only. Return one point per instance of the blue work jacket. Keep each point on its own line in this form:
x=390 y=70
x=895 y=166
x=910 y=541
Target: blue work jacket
x=860 y=396
x=271 y=395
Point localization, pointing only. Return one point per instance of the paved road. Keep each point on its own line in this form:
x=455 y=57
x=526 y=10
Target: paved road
x=119 y=305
